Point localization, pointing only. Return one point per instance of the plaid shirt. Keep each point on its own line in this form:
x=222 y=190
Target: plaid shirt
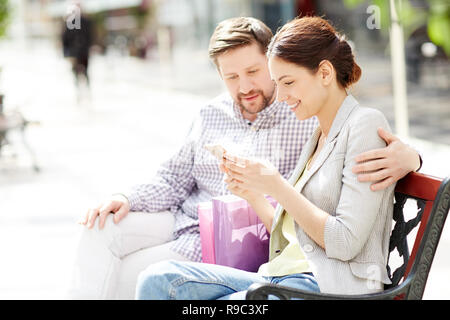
x=192 y=175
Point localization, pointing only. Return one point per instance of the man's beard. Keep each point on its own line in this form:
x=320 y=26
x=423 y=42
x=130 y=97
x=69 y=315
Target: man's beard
x=265 y=102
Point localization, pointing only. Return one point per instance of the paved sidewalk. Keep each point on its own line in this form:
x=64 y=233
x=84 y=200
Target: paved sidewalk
x=138 y=115
x=85 y=152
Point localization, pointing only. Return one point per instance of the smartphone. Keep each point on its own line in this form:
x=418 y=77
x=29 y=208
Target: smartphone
x=216 y=149
x=220 y=153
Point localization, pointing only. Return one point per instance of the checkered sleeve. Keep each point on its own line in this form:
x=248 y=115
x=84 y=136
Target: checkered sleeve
x=172 y=184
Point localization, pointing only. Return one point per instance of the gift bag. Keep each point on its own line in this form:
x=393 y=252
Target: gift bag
x=205 y=220
x=240 y=238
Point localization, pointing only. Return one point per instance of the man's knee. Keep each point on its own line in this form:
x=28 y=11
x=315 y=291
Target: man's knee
x=108 y=236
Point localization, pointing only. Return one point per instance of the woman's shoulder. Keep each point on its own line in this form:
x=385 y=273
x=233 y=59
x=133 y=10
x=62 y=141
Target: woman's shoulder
x=367 y=117
x=362 y=127
x=367 y=113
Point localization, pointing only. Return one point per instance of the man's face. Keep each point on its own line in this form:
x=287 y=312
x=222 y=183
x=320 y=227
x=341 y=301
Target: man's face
x=246 y=75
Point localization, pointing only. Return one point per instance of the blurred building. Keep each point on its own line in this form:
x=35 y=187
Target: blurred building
x=155 y=28
x=138 y=25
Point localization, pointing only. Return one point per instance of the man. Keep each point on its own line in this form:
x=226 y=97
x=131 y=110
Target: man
x=76 y=42
x=247 y=119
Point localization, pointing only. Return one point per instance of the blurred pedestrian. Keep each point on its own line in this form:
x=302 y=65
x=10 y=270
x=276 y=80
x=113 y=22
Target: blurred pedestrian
x=76 y=42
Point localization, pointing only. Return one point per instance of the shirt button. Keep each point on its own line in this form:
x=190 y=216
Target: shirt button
x=254 y=128
x=308 y=248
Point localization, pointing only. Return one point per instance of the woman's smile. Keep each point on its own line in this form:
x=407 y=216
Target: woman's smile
x=294 y=106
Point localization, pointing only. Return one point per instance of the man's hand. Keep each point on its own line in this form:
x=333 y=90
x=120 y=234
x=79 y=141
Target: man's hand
x=387 y=165
x=117 y=205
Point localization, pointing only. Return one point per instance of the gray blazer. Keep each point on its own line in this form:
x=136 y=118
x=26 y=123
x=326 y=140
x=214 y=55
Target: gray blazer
x=359 y=224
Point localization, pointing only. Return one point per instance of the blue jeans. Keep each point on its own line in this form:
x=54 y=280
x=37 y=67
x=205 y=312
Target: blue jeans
x=169 y=280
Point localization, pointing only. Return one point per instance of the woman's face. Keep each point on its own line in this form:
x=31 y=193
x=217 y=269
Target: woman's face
x=300 y=88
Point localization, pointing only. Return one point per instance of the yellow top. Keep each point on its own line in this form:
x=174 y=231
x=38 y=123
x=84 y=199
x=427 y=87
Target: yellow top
x=292 y=259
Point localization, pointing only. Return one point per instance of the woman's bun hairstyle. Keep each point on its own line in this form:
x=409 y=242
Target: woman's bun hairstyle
x=309 y=40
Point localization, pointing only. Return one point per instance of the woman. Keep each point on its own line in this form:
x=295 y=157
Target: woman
x=330 y=232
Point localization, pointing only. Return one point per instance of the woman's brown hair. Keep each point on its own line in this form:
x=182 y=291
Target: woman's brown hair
x=307 y=41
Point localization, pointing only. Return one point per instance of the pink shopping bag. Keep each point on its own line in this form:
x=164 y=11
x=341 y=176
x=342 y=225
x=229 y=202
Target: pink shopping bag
x=205 y=218
x=240 y=238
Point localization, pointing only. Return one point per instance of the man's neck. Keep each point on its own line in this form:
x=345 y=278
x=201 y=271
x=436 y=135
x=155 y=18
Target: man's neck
x=249 y=116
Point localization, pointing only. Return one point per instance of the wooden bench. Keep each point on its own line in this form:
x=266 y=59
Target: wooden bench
x=432 y=196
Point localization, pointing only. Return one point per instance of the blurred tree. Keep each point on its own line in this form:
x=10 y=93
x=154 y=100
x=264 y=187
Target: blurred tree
x=4 y=17
x=141 y=15
x=4 y=22
x=435 y=14
x=439 y=24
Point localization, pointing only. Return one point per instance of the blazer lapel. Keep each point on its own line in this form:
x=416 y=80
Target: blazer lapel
x=342 y=114
x=323 y=155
